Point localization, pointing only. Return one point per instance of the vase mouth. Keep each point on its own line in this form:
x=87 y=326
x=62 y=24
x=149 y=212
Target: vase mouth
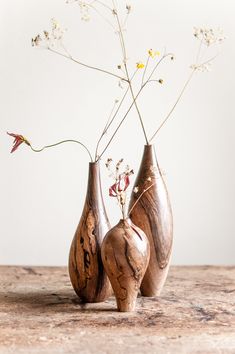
x=126 y=220
x=94 y=163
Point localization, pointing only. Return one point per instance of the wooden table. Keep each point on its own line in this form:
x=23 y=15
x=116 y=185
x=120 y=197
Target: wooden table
x=39 y=313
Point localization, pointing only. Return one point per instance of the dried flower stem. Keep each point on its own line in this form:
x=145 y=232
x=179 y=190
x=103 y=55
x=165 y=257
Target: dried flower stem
x=140 y=196
x=145 y=68
x=184 y=88
x=158 y=63
x=86 y=65
x=62 y=142
x=121 y=122
x=106 y=127
x=109 y=122
x=120 y=32
x=101 y=15
x=175 y=104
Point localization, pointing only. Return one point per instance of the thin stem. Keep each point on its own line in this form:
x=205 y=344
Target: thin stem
x=158 y=63
x=140 y=196
x=127 y=73
x=123 y=211
x=103 y=4
x=109 y=123
x=104 y=131
x=62 y=142
x=145 y=68
x=121 y=122
x=101 y=15
x=85 y=65
x=175 y=104
x=199 y=51
x=137 y=109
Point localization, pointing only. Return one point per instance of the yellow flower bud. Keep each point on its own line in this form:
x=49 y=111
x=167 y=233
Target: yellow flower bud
x=153 y=54
x=140 y=65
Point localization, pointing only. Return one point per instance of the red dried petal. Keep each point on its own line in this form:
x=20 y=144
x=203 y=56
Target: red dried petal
x=18 y=140
x=17 y=144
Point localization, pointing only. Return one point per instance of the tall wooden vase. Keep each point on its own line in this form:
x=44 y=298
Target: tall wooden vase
x=153 y=215
x=86 y=270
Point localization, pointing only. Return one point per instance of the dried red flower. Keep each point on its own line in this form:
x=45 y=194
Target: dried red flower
x=18 y=140
x=120 y=186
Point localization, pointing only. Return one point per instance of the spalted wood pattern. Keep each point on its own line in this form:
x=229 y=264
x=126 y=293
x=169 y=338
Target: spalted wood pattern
x=154 y=216
x=85 y=265
x=125 y=254
x=40 y=314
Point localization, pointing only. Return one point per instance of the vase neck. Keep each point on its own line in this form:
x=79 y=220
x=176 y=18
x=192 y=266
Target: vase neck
x=94 y=185
x=125 y=222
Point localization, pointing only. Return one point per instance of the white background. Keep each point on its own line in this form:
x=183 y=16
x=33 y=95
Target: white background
x=48 y=98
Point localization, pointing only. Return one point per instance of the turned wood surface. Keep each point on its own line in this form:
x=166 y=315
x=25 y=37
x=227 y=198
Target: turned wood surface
x=125 y=254
x=153 y=215
x=85 y=265
x=41 y=314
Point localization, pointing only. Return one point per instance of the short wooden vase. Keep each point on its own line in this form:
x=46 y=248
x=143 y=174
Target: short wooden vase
x=86 y=270
x=125 y=253
x=153 y=215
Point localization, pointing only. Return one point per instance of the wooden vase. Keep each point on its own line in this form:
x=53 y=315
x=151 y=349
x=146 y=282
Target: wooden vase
x=153 y=215
x=86 y=270
x=125 y=254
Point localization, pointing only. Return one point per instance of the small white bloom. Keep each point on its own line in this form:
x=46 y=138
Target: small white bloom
x=201 y=67
x=209 y=36
x=136 y=189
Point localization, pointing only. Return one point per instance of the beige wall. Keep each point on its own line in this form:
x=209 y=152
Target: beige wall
x=48 y=98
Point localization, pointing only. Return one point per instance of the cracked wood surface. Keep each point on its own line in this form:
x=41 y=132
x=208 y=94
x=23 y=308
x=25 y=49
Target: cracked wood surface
x=40 y=313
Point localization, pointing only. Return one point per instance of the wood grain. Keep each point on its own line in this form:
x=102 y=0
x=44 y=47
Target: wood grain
x=125 y=254
x=153 y=215
x=41 y=314
x=86 y=270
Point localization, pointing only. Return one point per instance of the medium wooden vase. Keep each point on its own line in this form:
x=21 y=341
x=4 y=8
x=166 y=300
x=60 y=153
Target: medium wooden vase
x=125 y=254
x=153 y=215
x=86 y=270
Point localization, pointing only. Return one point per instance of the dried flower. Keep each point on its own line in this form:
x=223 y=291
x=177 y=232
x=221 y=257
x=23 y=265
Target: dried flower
x=84 y=10
x=140 y=65
x=153 y=53
x=136 y=189
x=128 y=8
x=160 y=81
x=51 y=38
x=36 y=41
x=201 y=67
x=120 y=186
x=18 y=140
x=118 y=164
x=209 y=36
x=108 y=162
x=122 y=182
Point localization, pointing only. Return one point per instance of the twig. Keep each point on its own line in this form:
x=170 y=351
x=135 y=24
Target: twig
x=175 y=104
x=126 y=69
x=86 y=65
x=137 y=200
x=62 y=142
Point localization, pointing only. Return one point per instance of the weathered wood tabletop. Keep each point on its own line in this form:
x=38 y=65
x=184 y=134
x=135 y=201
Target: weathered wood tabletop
x=39 y=313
